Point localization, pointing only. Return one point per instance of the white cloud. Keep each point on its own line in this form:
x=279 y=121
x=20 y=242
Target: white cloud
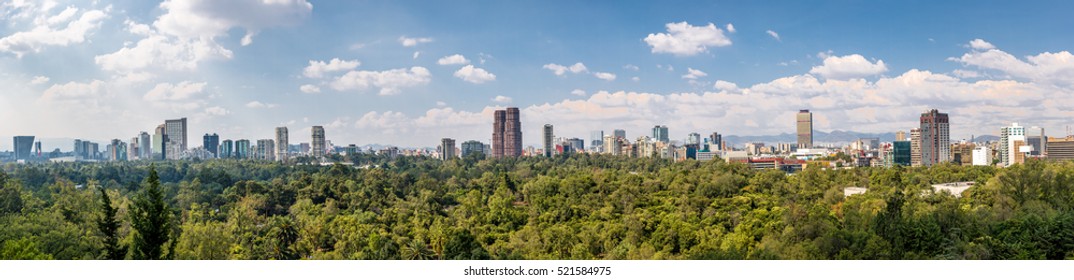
x=410 y=42
x=453 y=60
x=175 y=92
x=308 y=88
x=774 y=35
x=416 y=55
x=163 y=52
x=730 y=28
x=37 y=80
x=1048 y=68
x=604 y=76
x=474 y=75
x=561 y=70
x=53 y=32
x=501 y=99
x=578 y=92
x=631 y=67
x=389 y=81
x=684 y=39
x=981 y=45
x=317 y=69
x=694 y=74
x=635 y=79
x=966 y=74
x=73 y=91
x=848 y=67
x=259 y=105
x=725 y=86
x=217 y=111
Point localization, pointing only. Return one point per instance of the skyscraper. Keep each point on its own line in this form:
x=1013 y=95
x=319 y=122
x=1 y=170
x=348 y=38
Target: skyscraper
x=506 y=133
x=596 y=140
x=23 y=146
x=1035 y=138
x=318 y=141
x=134 y=149
x=805 y=129
x=158 y=143
x=242 y=149
x=211 y=143
x=715 y=142
x=902 y=153
x=901 y=136
x=548 y=146
x=915 y=147
x=145 y=146
x=175 y=140
x=281 y=143
x=935 y=138
x=693 y=139
x=266 y=149
x=472 y=146
x=1007 y=138
x=227 y=149
x=447 y=149
x=660 y=133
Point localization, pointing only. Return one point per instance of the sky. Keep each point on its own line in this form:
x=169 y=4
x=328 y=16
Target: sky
x=408 y=73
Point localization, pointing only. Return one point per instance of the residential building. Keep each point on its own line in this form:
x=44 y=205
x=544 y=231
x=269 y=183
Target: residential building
x=982 y=156
x=548 y=147
x=211 y=143
x=660 y=133
x=1007 y=147
x=447 y=149
x=900 y=135
x=175 y=137
x=282 y=144
x=805 y=129
x=318 y=145
x=935 y=138
x=472 y=146
x=266 y=150
x=242 y=149
x=227 y=149
x=506 y=133
x=915 y=147
x=23 y=147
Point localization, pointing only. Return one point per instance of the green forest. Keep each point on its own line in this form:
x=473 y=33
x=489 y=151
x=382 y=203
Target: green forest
x=569 y=207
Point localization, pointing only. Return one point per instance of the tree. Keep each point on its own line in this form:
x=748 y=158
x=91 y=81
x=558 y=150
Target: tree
x=108 y=225
x=151 y=219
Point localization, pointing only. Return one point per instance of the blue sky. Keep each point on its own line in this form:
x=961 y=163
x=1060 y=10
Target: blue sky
x=371 y=71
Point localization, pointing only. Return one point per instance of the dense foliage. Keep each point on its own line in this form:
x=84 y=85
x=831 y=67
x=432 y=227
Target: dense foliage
x=578 y=207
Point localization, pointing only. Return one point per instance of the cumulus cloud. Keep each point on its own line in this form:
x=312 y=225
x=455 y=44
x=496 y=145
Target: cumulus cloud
x=389 y=81
x=730 y=28
x=631 y=67
x=774 y=35
x=217 y=111
x=410 y=42
x=73 y=91
x=694 y=74
x=37 y=80
x=474 y=75
x=561 y=70
x=981 y=45
x=848 y=67
x=455 y=59
x=501 y=99
x=317 y=69
x=308 y=88
x=605 y=76
x=578 y=92
x=683 y=39
x=259 y=105
x=61 y=29
x=1048 y=68
x=175 y=92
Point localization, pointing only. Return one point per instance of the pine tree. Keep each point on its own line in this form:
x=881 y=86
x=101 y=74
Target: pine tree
x=108 y=225
x=151 y=219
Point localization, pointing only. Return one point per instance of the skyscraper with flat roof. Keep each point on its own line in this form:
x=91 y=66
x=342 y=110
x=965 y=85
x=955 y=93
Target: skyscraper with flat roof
x=660 y=133
x=227 y=149
x=935 y=138
x=805 y=129
x=145 y=146
x=281 y=143
x=211 y=143
x=318 y=141
x=915 y=147
x=175 y=140
x=549 y=148
x=447 y=149
x=23 y=146
x=506 y=133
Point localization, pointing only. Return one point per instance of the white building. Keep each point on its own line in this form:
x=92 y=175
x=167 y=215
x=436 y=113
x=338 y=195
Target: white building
x=982 y=156
x=1007 y=137
x=955 y=188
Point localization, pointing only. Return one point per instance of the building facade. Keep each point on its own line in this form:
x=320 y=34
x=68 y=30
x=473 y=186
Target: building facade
x=915 y=147
x=660 y=133
x=318 y=145
x=805 y=129
x=227 y=149
x=472 y=146
x=1007 y=138
x=211 y=143
x=242 y=149
x=281 y=144
x=447 y=148
x=935 y=138
x=23 y=147
x=175 y=138
x=506 y=133
x=549 y=148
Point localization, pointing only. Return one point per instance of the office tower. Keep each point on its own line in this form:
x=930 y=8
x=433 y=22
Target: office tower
x=611 y=145
x=227 y=149
x=211 y=143
x=962 y=153
x=982 y=156
x=282 y=144
x=242 y=149
x=901 y=136
x=660 y=133
x=915 y=147
x=117 y=150
x=548 y=148
x=596 y=140
x=1035 y=138
x=1060 y=148
x=37 y=149
x=1007 y=137
x=318 y=141
x=266 y=149
x=715 y=142
x=575 y=144
x=80 y=152
x=158 y=143
x=447 y=148
x=935 y=138
x=693 y=139
x=472 y=146
x=805 y=129
x=23 y=146
x=133 y=149
x=902 y=153
x=145 y=146
x=507 y=133
x=619 y=133
x=175 y=140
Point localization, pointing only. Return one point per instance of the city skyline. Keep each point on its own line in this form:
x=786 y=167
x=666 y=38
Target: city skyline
x=108 y=70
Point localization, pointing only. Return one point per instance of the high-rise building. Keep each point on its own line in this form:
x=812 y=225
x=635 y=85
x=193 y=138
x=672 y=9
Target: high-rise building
x=596 y=140
x=548 y=146
x=982 y=156
x=902 y=153
x=117 y=150
x=1060 y=148
x=266 y=149
x=318 y=141
x=227 y=149
x=145 y=146
x=133 y=149
x=915 y=147
x=472 y=146
x=715 y=142
x=175 y=140
x=506 y=133
x=282 y=143
x=612 y=145
x=962 y=153
x=211 y=143
x=1007 y=148
x=660 y=133
x=242 y=149
x=619 y=133
x=37 y=149
x=935 y=138
x=158 y=143
x=573 y=145
x=693 y=139
x=901 y=136
x=1035 y=138
x=23 y=147
x=447 y=149
x=805 y=129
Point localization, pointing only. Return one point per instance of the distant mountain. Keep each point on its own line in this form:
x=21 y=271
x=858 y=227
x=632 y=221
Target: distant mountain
x=985 y=138
x=834 y=137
